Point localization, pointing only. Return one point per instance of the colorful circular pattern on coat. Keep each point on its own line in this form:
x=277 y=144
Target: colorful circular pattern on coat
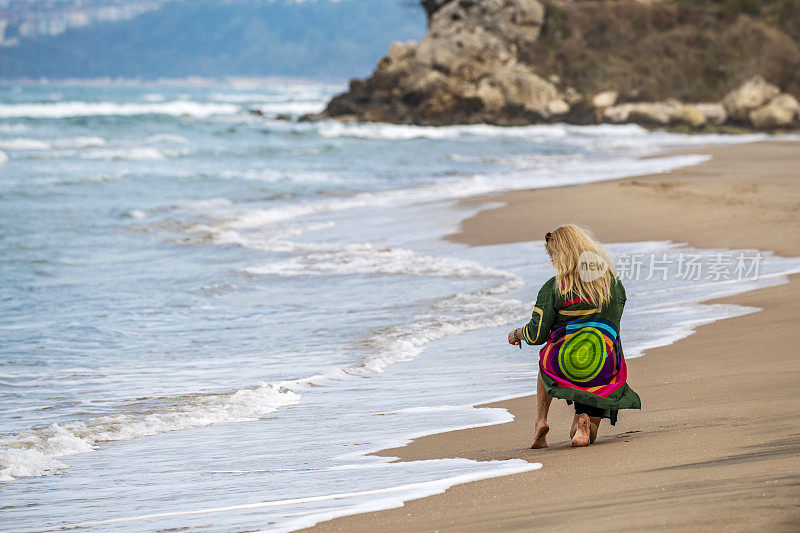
x=582 y=356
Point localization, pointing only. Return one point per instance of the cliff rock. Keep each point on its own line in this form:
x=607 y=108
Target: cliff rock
x=466 y=69
x=655 y=63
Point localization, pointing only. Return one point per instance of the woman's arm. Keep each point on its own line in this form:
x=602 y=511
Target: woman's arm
x=542 y=318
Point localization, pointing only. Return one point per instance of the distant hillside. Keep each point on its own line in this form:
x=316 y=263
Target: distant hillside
x=216 y=38
x=688 y=49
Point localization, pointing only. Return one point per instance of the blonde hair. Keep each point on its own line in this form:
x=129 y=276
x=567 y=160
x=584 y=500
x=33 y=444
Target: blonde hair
x=567 y=247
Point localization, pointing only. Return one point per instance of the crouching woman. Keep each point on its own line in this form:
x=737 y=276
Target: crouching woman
x=577 y=315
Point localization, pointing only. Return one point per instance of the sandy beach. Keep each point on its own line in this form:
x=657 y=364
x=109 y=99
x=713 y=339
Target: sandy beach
x=717 y=444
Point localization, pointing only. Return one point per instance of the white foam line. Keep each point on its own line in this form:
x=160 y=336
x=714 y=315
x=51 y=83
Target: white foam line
x=608 y=134
x=685 y=328
x=500 y=416
x=364 y=258
x=426 y=488
x=294 y=108
x=23 y=144
x=84 y=109
x=723 y=283
x=165 y=138
x=35 y=452
x=383 y=131
x=462 y=188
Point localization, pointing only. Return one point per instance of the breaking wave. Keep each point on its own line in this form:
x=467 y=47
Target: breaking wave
x=571 y=172
x=86 y=109
x=22 y=143
x=36 y=452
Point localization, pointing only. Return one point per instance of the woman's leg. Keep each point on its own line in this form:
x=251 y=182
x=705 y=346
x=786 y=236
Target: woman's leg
x=595 y=425
x=542 y=408
x=584 y=429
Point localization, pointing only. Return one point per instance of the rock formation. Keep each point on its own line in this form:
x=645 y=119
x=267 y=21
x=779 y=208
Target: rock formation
x=498 y=61
x=783 y=111
x=752 y=94
x=762 y=105
x=464 y=70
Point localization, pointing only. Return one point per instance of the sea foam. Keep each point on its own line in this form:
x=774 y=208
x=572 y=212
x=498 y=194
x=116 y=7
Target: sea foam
x=35 y=452
x=86 y=109
x=22 y=143
x=366 y=258
x=167 y=138
x=135 y=153
x=571 y=172
x=629 y=134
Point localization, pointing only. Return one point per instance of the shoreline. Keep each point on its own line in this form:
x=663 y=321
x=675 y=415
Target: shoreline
x=714 y=204
x=687 y=454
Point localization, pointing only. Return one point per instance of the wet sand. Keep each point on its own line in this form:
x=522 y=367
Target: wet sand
x=717 y=444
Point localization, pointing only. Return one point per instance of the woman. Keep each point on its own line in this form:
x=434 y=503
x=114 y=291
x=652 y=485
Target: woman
x=577 y=313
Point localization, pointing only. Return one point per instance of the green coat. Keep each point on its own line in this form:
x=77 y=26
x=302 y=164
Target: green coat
x=554 y=310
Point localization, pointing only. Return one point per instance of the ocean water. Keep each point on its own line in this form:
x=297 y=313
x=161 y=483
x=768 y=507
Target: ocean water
x=208 y=316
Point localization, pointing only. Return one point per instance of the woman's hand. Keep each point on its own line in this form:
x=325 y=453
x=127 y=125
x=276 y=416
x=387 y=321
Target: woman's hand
x=512 y=338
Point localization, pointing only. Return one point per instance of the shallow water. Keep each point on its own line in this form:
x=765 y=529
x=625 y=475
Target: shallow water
x=208 y=316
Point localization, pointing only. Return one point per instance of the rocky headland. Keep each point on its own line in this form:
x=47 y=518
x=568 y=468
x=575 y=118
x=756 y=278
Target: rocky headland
x=661 y=63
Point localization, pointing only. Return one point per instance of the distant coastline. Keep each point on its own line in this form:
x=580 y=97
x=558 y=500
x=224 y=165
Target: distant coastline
x=216 y=38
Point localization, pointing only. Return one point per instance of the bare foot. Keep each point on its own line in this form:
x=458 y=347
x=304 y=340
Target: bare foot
x=582 y=435
x=539 y=438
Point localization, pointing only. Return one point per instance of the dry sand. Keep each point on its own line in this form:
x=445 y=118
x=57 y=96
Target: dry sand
x=717 y=445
